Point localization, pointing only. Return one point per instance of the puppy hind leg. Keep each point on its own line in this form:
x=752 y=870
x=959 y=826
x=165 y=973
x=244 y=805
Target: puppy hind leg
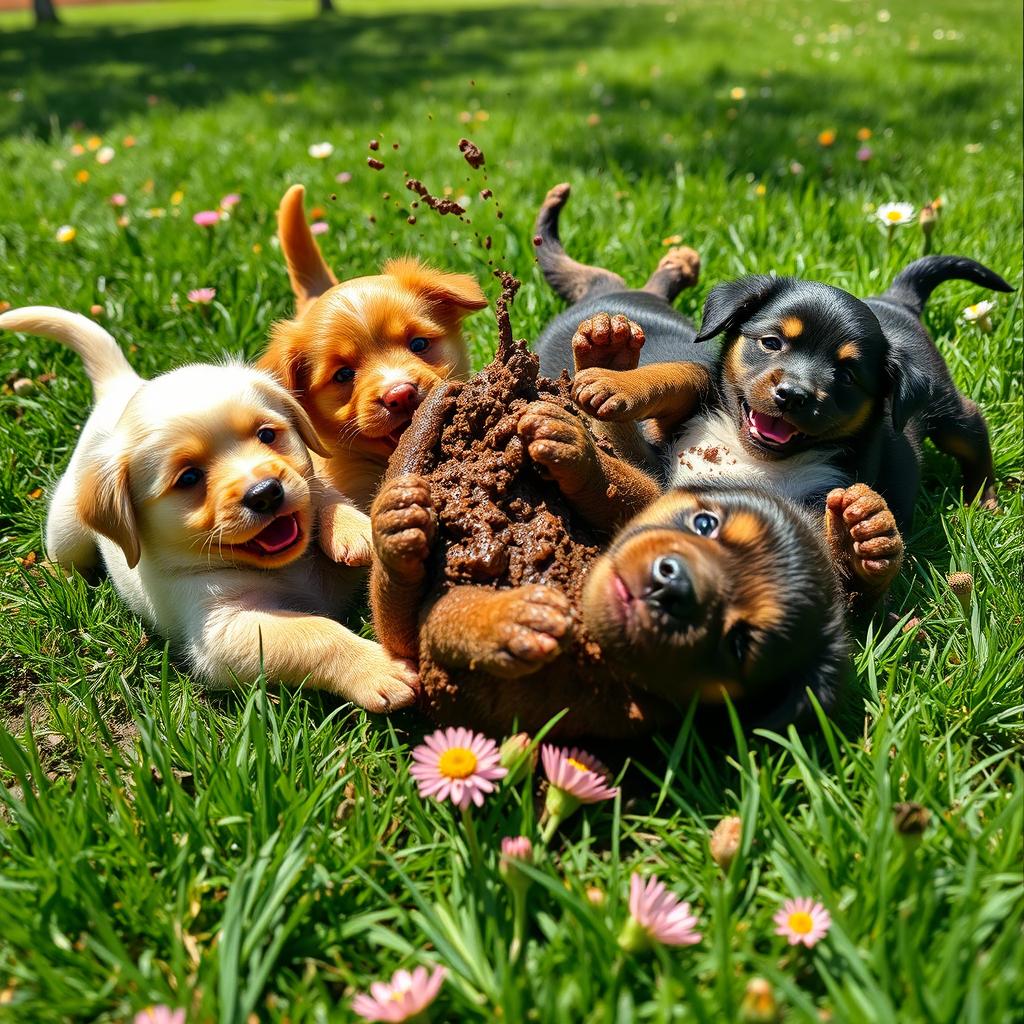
x=678 y=269
x=570 y=279
x=964 y=435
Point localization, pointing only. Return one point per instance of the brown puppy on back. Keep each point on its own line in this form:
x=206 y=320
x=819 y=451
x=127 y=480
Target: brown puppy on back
x=360 y=356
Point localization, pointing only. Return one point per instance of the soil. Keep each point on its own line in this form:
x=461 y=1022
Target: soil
x=502 y=525
x=472 y=152
x=441 y=205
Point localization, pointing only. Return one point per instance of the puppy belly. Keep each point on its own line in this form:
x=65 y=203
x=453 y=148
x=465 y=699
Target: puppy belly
x=710 y=448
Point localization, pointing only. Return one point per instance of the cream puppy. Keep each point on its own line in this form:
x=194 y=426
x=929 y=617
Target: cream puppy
x=197 y=492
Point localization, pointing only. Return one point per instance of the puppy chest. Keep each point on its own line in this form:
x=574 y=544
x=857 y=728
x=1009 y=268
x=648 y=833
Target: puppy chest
x=710 y=448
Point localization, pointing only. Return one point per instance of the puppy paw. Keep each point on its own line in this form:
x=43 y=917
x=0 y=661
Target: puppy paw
x=610 y=342
x=862 y=533
x=605 y=394
x=560 y=444
x=403 y=525
x=345 y=536
x=379 y=682
x=532 y=627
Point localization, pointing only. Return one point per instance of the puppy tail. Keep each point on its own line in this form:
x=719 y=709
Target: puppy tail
x=571 y=280
x=307 y=270
x=104 y=361
x=915 y=283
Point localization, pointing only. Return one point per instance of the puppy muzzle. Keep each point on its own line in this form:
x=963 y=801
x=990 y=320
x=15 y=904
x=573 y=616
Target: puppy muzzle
x=671 y=592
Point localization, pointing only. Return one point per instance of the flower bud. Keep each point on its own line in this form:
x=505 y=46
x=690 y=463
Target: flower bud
x=515 y=850
x=962 y=585
x=927 y=218
x=517 y=757
x=23 y=386
x=725 y=841
x=758 y=1005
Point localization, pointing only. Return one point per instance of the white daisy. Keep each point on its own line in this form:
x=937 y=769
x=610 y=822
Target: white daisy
x=979 y=314
x=321 y=150
x=894 y=214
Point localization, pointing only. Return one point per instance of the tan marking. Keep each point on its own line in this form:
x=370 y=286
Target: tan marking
x=848 y=350
x=792 y=327
x=714 y=693
x=744 y=530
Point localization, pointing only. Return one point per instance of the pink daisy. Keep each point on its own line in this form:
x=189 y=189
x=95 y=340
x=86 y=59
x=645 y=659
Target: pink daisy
x=577 y=774
x=517 y=848
x=457 y=764
x=231 y=199
x=160 y=1015
x=656 y=915
x=802 y=920
x=202 y=295
x=206 y=218
x=118 y=199
x=343 y=178
x=864 y=154
x=405 y=996
x=319 y=227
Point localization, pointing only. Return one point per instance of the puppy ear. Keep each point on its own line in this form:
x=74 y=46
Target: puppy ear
x=460 y=292
x=729 y=304
x=309 y=274
x=910 y=390
x=105 y=504
x=284 y=359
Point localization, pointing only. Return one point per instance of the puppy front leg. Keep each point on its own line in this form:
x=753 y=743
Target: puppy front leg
x=505 y=633
x=344 y=531
x=603 y=489
x=866 y=546
x=298 y=647
x=404 y=525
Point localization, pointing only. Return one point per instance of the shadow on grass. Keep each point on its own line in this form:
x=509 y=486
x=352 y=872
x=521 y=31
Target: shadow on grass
x=96 y=76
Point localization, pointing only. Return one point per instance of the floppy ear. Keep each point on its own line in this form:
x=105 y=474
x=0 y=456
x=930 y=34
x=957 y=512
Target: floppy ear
x=285 y=359
x=729 y=304
x=910 y=390
x=459 y=292
x=105 y=504
x=309 y=274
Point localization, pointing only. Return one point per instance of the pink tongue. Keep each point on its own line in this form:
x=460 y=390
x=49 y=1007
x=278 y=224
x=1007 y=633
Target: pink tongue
x=772 y=428
x=282 y=532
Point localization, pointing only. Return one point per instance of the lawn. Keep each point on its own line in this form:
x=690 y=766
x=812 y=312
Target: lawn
x=263 y=856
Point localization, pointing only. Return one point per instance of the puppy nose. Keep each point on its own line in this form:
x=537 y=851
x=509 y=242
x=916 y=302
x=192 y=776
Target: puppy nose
x=671 y=587
x=401 y=398
x=264 y=496
x=789 y=395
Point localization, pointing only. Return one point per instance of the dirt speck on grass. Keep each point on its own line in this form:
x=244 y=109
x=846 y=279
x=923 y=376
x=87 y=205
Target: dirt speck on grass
x=472 y=153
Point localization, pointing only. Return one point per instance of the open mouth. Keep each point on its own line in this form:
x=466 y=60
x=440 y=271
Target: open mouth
x=772 y=431
x=283 y=533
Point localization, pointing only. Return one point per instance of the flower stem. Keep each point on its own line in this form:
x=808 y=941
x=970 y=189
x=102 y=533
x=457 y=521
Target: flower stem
x=548 y=826
x=471 y=840
x=518 y=923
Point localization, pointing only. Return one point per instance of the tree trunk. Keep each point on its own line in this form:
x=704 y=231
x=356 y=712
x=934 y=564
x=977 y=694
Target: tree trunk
x=46 y=13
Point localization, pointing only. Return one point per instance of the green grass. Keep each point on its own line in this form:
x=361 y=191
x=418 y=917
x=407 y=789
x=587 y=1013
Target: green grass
x=266 y=854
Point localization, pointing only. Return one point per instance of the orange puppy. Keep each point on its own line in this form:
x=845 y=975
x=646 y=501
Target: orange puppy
x=360 y=356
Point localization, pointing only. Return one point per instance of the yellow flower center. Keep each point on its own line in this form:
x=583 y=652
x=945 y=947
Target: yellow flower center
x=801 y=922
x=457 y=763
x=894 y=215
x=577 y=764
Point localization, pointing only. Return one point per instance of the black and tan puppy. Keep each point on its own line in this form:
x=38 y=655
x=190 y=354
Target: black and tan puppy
x=712 y=590
x=811 y=391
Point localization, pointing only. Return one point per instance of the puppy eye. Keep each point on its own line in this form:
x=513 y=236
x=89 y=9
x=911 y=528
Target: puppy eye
x=345 y=375
x=418 y=345
x=770 y=343
x=267 y=435
x=845 y=375
x=188 y=478
x=705 y=524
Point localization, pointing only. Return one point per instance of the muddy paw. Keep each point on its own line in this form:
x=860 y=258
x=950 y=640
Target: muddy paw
x=535 y=626
x=404 y=524
x=605 y=394
x=863 y=535
x=679 y=268
x=560 y=444
x=611 y=342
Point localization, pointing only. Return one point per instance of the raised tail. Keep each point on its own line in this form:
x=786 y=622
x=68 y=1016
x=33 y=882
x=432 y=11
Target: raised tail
x=307 y=269
x=915 y=283
x=104 y=361
x=571 y=280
